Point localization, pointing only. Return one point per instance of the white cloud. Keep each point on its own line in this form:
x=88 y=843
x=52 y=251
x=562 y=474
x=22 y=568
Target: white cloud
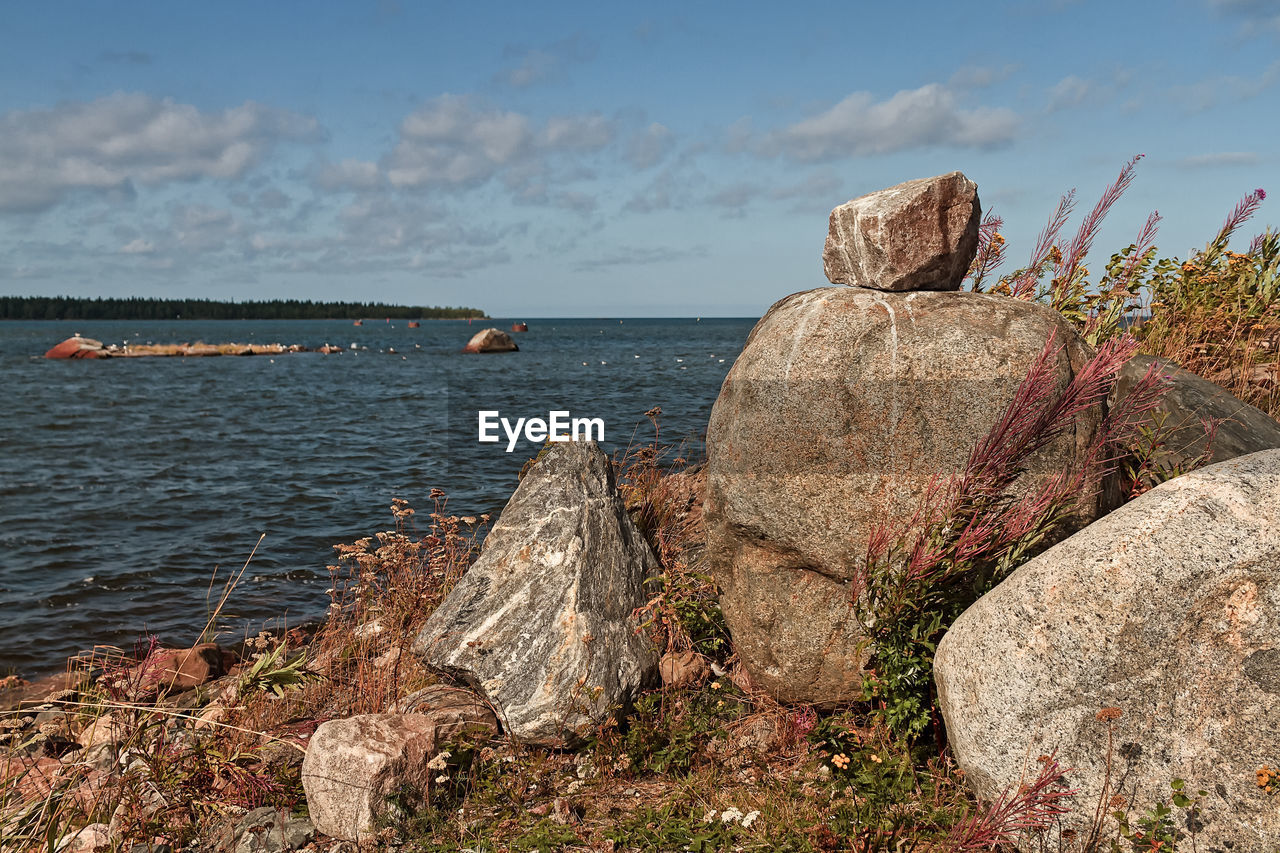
x=1070 y=91
x=453 y=142
x=647 y=147
x=1255 y=16
x=349 y=174
x=114 y=142
x=734 y=196
x=582 y=133
x=930 y=116
x=1224 y=89
x=540 y=65
x=631 y=256
x=1221 y=158
x=138 y=247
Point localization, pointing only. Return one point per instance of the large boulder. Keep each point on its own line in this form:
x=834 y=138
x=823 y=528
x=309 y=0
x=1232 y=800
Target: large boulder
x=842 y=407
x=1168 y=609
x=542 y=623
x=1188 y=404
x=360 y=771
x=921 y=235
x=491 y=340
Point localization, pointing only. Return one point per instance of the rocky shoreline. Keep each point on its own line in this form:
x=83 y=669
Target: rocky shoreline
x=1087 y=536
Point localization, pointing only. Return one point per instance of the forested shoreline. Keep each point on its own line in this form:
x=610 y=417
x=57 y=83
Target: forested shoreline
x=142 y=308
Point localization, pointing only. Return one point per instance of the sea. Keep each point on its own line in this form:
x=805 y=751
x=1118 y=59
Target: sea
x=131 y=488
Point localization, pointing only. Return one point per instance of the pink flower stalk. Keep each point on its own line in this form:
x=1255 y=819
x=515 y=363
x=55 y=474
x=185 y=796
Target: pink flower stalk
x=991 y=250
x=1030 y=807
x=1073 y=257
x=1023 y=286
x=1142 y=245
x=972 y=521
x=1240 y=214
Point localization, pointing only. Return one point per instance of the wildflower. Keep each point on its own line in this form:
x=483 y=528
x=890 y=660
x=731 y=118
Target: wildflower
x=709 y=816
x=877 y=759
x=441 y=779
x=731 y=815
x=715 y=685
x=841 y=761
x=1106 y=715
x=750 y=818
x=441 y=760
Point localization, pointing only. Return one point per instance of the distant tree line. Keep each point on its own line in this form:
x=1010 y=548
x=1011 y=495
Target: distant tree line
x=140 y=308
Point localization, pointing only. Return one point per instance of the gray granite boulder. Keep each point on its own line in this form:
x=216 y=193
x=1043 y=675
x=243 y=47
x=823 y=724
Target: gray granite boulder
x=843 y=405
x=1189 y=402
x=542 y=624
x=1167 y=609
x=920 y=235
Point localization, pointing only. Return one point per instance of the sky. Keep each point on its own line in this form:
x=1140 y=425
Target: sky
x=594 y=159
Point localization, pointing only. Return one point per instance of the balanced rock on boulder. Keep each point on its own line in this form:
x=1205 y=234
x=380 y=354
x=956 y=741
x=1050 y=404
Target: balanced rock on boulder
x=843 y=405
x=491 y=340
x=920 y=235
x=1167 y=611
x=542 y=622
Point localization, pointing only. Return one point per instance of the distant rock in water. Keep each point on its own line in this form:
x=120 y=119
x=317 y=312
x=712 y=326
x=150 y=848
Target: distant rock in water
x=542 y=623
x=1141 y=650
x=491 y=340
x=78 y=347
x=920 y=235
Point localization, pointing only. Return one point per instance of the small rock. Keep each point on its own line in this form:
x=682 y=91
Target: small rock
x=491 y=340
x=93 y=838
x=681 y=669
x=105 y=730
x=353 y=766
x=213 y=713
x=265 y=830
x=920 y=235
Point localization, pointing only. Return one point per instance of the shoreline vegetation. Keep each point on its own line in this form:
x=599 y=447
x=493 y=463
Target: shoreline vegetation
x=144 y=308
x=203 y=748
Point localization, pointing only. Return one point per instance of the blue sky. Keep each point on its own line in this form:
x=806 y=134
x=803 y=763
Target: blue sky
x=593 y=159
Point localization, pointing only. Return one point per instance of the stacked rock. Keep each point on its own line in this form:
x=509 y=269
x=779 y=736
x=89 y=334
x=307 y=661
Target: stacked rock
x=844 y=404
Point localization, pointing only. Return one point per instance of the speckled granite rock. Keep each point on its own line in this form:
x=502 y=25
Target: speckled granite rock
x=843 y=405
x=1168 y=609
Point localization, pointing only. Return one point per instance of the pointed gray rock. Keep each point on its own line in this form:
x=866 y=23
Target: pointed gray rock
x=542 y=623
